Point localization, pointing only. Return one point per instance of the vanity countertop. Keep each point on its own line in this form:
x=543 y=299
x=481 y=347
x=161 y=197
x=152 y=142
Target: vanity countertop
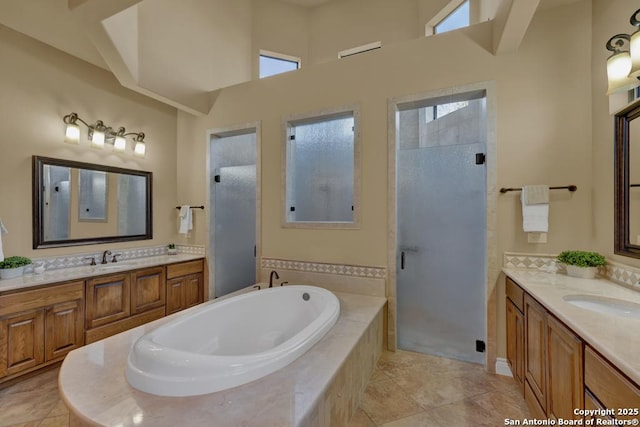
x=614 y=336
x=75 y=273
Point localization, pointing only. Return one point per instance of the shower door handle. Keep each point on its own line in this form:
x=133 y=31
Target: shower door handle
x=402 y=260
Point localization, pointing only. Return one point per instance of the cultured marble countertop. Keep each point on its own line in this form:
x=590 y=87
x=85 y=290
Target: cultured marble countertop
x=615 y=337
x=93 y=385
x=74 y=273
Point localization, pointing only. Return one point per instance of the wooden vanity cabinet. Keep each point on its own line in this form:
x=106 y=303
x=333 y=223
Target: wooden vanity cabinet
x=39 y=327
x=535 y=360
x=108 y=299
x=608 y=388
x=553 y=357
x=515 y=331
x=148 y=289
x=185 y=285
x=564 y=371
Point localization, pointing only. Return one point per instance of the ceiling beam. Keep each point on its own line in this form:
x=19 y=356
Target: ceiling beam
x=511 y=24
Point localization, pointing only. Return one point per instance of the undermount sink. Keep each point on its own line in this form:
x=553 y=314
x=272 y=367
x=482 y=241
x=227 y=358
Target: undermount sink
x=605 y=305
x=113 y=266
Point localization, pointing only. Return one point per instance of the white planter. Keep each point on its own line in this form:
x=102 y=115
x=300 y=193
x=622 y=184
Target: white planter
x=11 y=273
x=582 y=272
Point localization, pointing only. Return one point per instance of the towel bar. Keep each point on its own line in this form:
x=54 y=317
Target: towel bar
x=571 y=188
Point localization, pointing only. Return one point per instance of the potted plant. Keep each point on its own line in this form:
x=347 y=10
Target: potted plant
x=13 y=266
x=581 y=264
x=171 y=249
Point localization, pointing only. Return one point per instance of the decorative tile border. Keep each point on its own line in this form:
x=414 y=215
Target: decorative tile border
x=78 y=260
x=623 y=274
x=613 y=271
x=319 y=267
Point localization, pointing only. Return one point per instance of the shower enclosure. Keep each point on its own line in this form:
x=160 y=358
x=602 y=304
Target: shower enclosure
x=441 y=226
x=233 y=219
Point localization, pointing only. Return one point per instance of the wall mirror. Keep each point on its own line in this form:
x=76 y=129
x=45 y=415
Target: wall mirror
x=627 y=181
x=78 y=203
x=322 y=169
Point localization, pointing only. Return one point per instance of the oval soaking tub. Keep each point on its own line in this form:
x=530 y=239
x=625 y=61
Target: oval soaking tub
x=231 y=342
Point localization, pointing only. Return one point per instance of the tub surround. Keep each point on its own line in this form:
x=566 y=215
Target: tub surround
x=321 y=387
x=615 y=337
x=75 y=273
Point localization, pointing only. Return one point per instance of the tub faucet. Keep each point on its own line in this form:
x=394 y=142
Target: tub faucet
x=104 y=256
x=273 y=273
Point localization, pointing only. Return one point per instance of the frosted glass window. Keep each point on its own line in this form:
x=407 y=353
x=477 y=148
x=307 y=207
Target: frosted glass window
x=320 y=169
x=92 y=196
x=459 y=18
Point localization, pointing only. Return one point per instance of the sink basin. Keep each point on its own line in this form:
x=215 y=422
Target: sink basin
x=113 y=266
x=614 y=306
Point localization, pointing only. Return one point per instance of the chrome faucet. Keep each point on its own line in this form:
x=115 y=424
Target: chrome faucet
x=273 y=273
x=104 y=256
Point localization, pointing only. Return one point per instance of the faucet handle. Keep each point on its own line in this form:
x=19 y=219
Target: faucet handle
x=93 y=260
x=283 y=283
x=114 y=259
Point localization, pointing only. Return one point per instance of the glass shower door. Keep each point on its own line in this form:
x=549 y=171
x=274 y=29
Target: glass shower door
x=441 y=237
x=235 y=230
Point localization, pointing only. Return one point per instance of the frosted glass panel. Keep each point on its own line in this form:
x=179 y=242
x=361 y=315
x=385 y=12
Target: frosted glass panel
x=92 y=195
x=233 y=223
x=235 y=229
x=320 y=170
x=56 y=188
x=441 y=208
x=132 y=204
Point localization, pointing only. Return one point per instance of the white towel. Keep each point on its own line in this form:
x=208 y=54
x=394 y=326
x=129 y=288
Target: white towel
x=186 y=219
x=3 y=230
x=535 y=217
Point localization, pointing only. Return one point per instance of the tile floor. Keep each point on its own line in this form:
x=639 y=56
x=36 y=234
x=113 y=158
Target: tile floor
x=406 y=390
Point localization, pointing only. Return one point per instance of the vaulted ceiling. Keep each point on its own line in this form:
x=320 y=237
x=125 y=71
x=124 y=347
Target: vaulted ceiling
x=180 y=52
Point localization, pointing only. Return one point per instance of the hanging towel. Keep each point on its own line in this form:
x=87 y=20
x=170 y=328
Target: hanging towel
x=3 y=230
x=535 y=214
x=186 y=220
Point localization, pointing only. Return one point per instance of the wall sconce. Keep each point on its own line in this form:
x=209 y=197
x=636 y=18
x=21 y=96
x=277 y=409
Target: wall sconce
x=99 y=133
x=623 y=66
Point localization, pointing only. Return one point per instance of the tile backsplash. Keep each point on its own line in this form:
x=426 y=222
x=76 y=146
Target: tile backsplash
x=613 y=271
x=78 y=260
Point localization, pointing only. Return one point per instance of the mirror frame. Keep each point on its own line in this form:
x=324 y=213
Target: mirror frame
x=38 y=163
x=622 y=243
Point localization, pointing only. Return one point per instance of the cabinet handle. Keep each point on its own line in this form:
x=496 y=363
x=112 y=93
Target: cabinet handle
x=402 y=260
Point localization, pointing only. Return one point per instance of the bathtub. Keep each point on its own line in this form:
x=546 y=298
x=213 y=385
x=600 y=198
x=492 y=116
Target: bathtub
x=231 y=342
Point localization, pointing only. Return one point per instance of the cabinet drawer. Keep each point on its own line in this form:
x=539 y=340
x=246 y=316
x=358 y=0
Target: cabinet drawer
x=515 y=294
x=37 y=298
x=607 y=384
x=184 y=268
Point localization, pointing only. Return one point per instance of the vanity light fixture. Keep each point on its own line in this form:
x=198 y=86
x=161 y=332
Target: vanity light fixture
x=623 y=66
x=99 y=133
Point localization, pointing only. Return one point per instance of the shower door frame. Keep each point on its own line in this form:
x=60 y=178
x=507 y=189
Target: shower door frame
x=491 y=250
x=241 y=129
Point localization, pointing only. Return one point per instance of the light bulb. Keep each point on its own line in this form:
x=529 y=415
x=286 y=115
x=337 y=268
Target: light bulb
x=72 y=135
x=140 y=149
x=618 y=68
x=97 y=139
x=120 y=144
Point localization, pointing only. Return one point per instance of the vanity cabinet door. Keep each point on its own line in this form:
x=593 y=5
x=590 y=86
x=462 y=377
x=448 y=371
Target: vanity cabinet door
x=64 y=329
x=536 y=354
x=148 y=289
x=107 y=299
x=564 y=367
x=592 y=404
x=184 y=292
x=515 y=342
x=21 y=341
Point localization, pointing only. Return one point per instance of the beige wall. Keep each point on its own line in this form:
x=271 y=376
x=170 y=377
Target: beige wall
x=543 y=117
x=40 y=85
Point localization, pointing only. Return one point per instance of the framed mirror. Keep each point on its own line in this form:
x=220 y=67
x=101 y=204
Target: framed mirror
x=627 y=181
x=78 y=203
